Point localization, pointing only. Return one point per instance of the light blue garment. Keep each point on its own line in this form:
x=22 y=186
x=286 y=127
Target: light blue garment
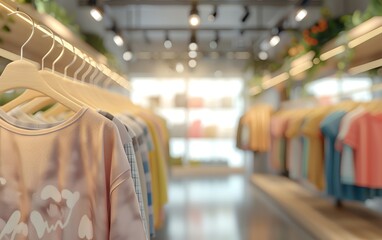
x=330 y=128
x=347 y=165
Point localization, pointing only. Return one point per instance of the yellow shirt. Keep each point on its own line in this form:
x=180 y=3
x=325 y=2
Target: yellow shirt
x=316 y=164
x=158 y=170
x=258 y=121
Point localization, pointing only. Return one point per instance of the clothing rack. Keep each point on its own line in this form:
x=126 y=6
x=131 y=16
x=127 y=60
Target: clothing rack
x=104 y=72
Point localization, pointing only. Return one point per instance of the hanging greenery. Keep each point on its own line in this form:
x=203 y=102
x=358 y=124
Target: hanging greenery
x=315 y=37
x=52 y=8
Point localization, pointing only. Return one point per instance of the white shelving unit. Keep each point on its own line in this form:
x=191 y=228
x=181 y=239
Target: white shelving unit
x=202 y=116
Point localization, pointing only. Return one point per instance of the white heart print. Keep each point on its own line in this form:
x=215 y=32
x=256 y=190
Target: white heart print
x=52 y=192
x=43 y=226
x=85 y=229
x=71 y=198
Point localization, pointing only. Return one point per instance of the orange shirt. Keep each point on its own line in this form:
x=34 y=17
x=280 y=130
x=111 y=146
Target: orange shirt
x=257 y=119
x=365 y=137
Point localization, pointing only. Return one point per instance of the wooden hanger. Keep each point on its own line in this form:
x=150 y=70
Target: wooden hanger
x=22 y=74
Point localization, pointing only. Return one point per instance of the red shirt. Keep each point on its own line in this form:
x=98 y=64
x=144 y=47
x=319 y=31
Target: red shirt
x=365 y=137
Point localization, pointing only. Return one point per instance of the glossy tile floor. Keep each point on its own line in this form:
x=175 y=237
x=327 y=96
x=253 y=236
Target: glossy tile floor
x=224 y=208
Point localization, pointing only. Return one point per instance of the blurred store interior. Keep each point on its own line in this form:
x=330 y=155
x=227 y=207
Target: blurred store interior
x=270 y=110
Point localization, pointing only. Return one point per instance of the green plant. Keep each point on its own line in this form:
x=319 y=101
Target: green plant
x=95 y=41
x=52 y=8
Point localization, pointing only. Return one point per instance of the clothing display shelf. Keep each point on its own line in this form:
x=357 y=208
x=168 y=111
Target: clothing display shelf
x=363 y=40
x=199 y=120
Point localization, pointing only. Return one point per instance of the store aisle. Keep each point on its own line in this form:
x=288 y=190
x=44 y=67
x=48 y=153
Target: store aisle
x=224 y=208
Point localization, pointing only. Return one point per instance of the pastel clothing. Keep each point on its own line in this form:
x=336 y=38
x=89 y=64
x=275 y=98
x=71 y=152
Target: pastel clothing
x=69 y=181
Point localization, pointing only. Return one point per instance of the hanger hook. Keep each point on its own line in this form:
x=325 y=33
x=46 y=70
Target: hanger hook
x=105 y=76
x=87 y=71
x=81 y=67
x=59 y=56
x=71 y=63
x=51 y=48
x=95 y=73
x=30 y=36
x=99 y=75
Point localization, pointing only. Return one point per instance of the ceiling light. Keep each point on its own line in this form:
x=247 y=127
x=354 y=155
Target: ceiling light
x=179 y=67
x=97 y=13
x=301 y=14
x=167 y=43
x=275 y=80
x=301 y=68
x=127 y=55
x=118 y=40
x=331 y=53
x=192 y=54
x=192 y=63
x=246 y=14
x=274 y=40
x=263 y=55
x=214 y=43
x=193 y=46
x=213 y=14
x=194 y=18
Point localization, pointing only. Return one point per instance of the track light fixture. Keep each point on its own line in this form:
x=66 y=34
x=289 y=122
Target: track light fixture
x=192 y=63
x=301 y=14
x=213 y=14
x=117 y=38
x=192 y=54
x=96 y=11
x=246 y=14
x=214 y=43
x=263 y=55
x=194 y=18
x=193 y=46
x=127 y=56
x=301 y=11
x=275 y=38
x=167 y=42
